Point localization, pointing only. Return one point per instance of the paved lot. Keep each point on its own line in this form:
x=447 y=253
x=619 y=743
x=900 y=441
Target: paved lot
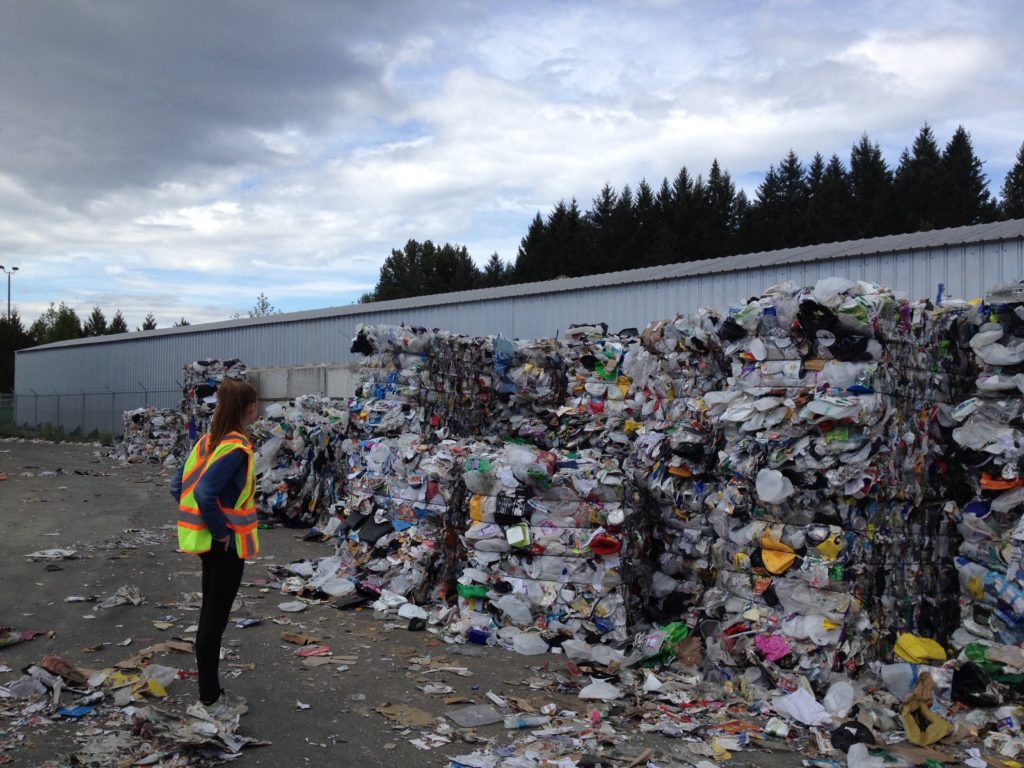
x=118 y=519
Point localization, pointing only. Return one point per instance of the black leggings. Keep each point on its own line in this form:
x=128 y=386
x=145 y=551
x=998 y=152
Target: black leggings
x=222 y=575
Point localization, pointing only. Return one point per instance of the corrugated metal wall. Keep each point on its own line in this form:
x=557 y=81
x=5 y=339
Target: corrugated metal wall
x=88 y=386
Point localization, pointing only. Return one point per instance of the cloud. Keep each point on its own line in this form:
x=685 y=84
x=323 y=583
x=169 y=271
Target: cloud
x=98 y=97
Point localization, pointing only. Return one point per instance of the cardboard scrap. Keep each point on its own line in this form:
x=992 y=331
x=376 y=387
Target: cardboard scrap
x=297 y=638
x=406 y=716
x=141 y=659
x=524 y=705
x=316 y=661
x=72 y=675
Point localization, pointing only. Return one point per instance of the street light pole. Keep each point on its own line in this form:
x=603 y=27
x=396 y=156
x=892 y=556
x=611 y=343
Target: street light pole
x=8 y=273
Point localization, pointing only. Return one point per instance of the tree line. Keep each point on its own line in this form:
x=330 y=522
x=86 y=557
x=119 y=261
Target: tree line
x=691 y=217
x=60 y=323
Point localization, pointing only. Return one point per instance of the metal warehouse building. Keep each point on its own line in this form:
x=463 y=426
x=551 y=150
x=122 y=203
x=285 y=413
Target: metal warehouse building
x=87 y=383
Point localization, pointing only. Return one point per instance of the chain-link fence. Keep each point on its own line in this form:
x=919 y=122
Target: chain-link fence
x=58 y=415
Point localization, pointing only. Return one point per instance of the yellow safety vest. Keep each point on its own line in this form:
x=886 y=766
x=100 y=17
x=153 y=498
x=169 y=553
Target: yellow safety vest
x=193 y=535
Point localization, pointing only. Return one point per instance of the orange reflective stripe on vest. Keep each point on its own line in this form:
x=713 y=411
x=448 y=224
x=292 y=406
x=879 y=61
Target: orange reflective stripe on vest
x=190 y=478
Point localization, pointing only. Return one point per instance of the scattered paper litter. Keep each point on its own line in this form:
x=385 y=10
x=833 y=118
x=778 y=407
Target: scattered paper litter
x=53 y=554
x=475 y=715
x=406 y=716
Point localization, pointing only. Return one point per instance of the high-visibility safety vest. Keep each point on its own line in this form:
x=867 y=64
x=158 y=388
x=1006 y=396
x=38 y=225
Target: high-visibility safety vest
x=193 y=535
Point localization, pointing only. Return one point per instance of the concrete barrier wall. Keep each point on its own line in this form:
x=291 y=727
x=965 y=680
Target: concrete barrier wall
x=276 y=384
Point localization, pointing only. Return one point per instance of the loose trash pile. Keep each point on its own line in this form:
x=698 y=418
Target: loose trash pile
x=297 y=458
x=202 y=378
x=153 y=436
x=165 y=435
x=135 y=731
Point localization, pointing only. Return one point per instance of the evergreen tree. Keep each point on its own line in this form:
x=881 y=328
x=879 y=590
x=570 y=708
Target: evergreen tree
x=13 y=337
x=1012 y=204
x=967 y=197
x=666 y=245
x=871 y=190
x=778 y=215
x=262 y=307
x=681 y=213
x=182 y=323
x=96 y=325
x=920 y=186
x=530 y=257
x=423 y=269
x=717 y=226
x=830 y=206
x=495 y=272
x=566 y=242
x=742 y=217
x=646 y=225
x=620 y=237
x=37 y=332
x=118 y=324
x=148 y=323
x=793 y=187
x=815 y=174
x=57 y=323
x=601 y=221
x=764 y=231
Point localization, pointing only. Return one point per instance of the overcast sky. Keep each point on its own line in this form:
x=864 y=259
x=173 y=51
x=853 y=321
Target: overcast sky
x=181 y=157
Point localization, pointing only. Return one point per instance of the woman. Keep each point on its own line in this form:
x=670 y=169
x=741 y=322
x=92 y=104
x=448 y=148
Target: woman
x=217 y=520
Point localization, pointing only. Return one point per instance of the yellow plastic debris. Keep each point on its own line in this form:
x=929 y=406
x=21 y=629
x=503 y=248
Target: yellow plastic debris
x=777 y=557
x=918 y=650
x=830 y=547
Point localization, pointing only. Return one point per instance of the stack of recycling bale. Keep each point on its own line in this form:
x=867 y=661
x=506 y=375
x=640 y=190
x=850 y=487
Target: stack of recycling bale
x=299 y=479
x=901 y=556
x=544 y=540
x=788 y=456
x=807 y=476
x=394 y=511
x=202 y=378
x=671 y=371
x=390 y=399
x=456 y=384
x=528 y=391
x=990 y=439
x=600 y=404
x=153 y=435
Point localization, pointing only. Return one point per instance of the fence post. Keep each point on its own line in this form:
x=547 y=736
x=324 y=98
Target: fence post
x=112 y=404
x=35 y=415
x=82 y=419
x=59 y=424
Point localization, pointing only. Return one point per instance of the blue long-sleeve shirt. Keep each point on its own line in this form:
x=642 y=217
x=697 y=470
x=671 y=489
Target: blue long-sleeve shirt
x=224 y=480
